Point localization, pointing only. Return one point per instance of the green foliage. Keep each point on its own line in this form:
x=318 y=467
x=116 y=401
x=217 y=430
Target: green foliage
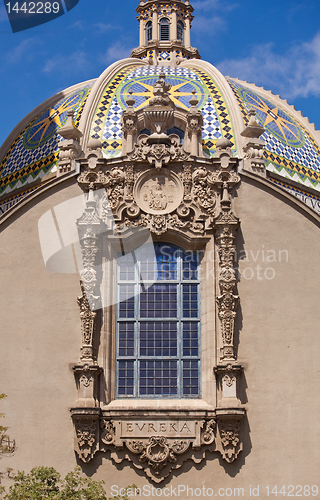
x=44 y=483
x=40 y=484
x=78 y=487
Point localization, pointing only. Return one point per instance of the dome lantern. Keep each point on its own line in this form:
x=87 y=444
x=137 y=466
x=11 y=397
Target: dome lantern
x=165 y=32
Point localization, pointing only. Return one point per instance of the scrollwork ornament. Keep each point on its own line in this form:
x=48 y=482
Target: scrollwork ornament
x=108 y=432
x=207 y=435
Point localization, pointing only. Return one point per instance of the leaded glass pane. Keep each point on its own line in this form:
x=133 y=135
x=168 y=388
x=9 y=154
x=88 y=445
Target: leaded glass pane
x=190 y=266
x=190 y=378
x=126 y=301
x=158 y=378
x=159 y=301
x=158 y=339
x=126 y=339
x=126 y=378
x=190 y=339
x=158 y=342
x=126 y=267
x=190 y=301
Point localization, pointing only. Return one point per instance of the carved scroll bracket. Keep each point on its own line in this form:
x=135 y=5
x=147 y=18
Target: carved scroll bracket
x=229 y=439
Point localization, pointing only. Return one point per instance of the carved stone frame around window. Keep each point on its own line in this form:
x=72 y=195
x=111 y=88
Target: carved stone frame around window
x=193 y=209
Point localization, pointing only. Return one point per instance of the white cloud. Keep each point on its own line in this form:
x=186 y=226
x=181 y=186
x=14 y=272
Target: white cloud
x=115 y=52
x=206 y=17
x=294 y=73
x=23 y=49
x=76 y=61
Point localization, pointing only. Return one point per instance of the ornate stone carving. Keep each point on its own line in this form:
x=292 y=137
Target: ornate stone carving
x=229 y=431
x=112 y=181
x=158 y=153
x=187 y=182
x=129 y=183
x=157 y=451
x=108 y=431
x=194 y=126
x=207 y=435
x=204 y=189
x=159 y=224
x=86 y=436
x=226 y=224
x=158 y=193
x=87 y=324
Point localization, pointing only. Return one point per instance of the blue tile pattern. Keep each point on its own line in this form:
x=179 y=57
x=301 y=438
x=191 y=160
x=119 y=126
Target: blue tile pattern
x=106 y=124
x=35 y=151
x=290 y=150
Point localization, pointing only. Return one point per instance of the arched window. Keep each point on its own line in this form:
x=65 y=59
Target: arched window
x=180 y=31
x=158 y=323
x=164 y=29
x=148 y=31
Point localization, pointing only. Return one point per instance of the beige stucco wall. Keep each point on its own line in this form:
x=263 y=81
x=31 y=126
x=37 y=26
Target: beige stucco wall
x=279 y=347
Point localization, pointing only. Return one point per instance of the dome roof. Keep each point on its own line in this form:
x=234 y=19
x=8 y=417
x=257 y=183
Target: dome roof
x=31 y=151
x=291 y=147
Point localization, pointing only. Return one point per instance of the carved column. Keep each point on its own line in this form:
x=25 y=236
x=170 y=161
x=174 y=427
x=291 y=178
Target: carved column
x=187 y=31
x=155 y=29
x=142 y=38
x=173 y=25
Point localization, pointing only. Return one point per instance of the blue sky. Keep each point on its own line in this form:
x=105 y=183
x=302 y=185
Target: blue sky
x=275 y=44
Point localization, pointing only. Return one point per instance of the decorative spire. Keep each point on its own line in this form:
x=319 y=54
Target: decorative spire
x=165 y=32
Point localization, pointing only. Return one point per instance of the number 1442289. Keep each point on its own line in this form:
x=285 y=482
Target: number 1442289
x=33 y=7
x=293 y=491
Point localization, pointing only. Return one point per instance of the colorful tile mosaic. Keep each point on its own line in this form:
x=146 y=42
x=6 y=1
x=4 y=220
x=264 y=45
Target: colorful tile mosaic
x=290 y=150
x=106 y=124
x=35 y=151
x=311 y=200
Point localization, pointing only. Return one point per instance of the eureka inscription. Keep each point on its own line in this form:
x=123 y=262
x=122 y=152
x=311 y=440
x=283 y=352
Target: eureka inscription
x=167 y=428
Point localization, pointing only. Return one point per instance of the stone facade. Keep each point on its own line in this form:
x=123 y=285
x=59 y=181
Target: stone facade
x=253 y=426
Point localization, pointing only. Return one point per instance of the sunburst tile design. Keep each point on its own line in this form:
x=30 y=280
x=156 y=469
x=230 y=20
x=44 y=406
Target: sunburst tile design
x=35 y=151
x=140 y=80
x=290 y=150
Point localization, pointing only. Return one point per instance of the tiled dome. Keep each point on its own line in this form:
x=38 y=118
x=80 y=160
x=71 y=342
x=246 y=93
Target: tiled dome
x=33 y=150
x=291 y=150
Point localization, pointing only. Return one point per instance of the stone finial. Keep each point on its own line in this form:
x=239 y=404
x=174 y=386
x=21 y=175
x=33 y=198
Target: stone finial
x=253 y=129
x=130 y=101
x=70 y=149
x=253 y=146
x=194 y=101
x=69 y=130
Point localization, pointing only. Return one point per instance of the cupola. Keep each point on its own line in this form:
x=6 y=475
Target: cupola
x=165 y=32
